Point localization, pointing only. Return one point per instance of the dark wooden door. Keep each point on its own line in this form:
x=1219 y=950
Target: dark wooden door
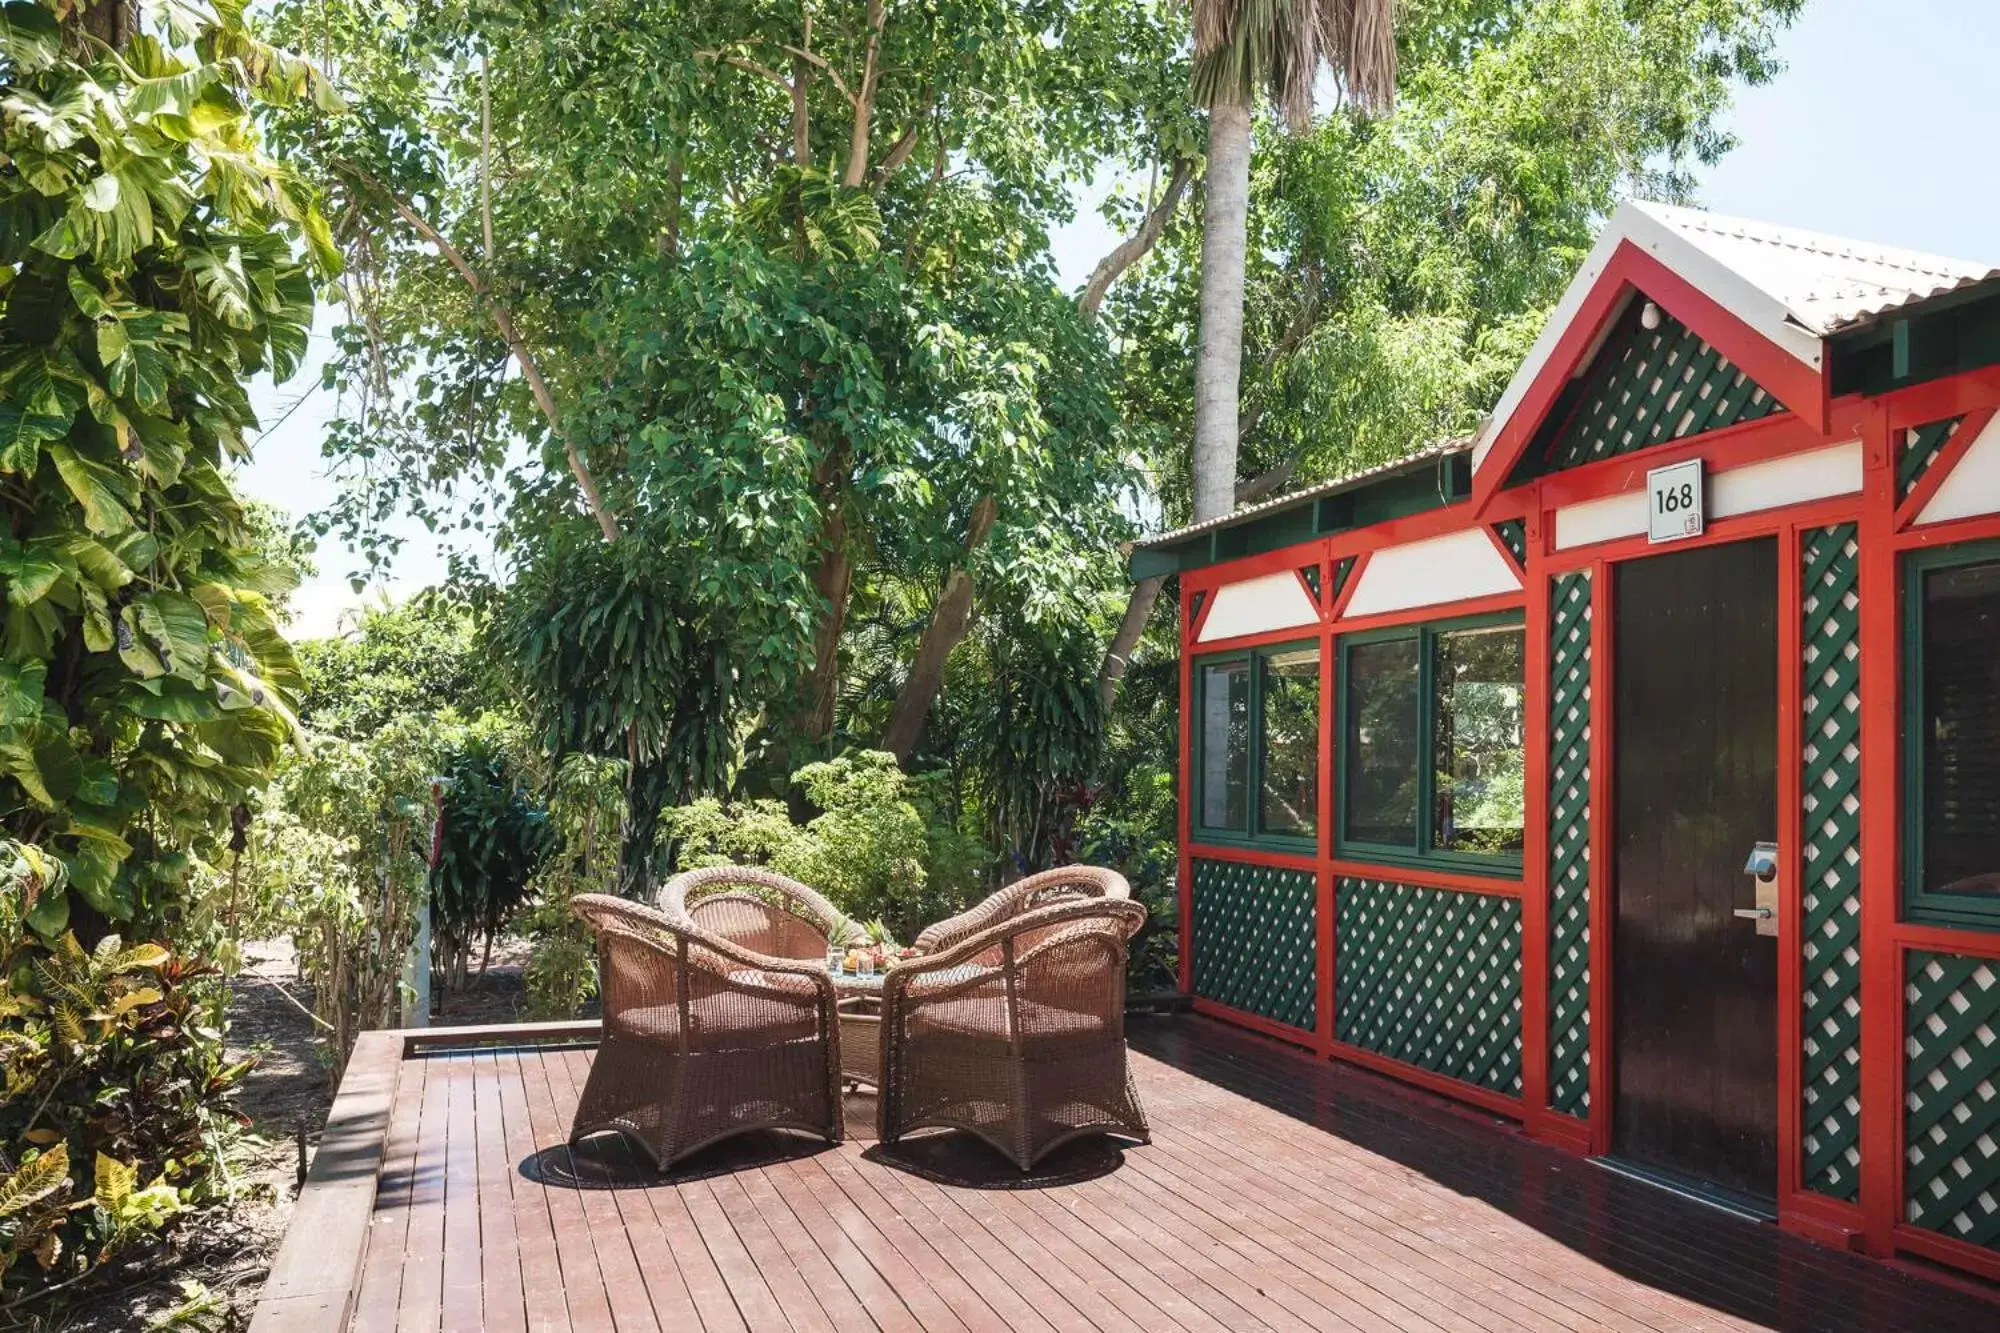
x=1695 y=988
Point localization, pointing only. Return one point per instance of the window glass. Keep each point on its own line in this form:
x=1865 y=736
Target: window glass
x=1478 y=740
x=1961 y=730
x=1379 y=786
x=1225 y=745
x=1288 y=779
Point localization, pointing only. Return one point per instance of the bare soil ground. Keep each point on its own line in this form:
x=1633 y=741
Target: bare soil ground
x=229 y=1249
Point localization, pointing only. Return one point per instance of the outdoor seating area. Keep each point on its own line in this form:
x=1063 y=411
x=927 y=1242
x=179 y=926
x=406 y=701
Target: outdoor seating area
x=725 y=1013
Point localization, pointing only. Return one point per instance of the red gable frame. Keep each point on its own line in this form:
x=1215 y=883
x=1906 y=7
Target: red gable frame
x=1805 y=391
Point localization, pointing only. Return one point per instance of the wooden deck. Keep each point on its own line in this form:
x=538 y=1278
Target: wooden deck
x=1279 y=1193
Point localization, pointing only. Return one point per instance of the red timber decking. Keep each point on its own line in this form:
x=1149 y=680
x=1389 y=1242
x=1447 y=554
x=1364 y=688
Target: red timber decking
x=1279 y=1193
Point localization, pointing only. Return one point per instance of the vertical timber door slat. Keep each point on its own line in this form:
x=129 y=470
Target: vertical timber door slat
x=1695 y=988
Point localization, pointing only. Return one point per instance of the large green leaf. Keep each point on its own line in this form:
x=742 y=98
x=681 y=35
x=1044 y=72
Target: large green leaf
x=50 y=914
x=22 y=434
x=100 y=491
x=29 y=575
x=174 y=700
x=177 y=629
x=21 y=692
x=93 y=873
x=30 y=36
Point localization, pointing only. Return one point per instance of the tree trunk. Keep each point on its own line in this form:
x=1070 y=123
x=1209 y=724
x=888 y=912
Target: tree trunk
x=814 y=721
x=949 y=622
x=1138 y=610
x=1136 y=245
x=1219 y=361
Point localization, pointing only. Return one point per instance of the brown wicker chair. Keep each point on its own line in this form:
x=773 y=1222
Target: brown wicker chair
x=1015 y=1034
x=758 y=910
x=1063 y=884
x=704 y=1039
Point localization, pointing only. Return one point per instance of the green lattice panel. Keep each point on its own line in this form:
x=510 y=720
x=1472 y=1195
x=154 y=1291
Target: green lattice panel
x=1830 y=820
x=1951 y=1117
x=1310 y=573
x=1649 y=386
x=1921 y=446
x=1569 y=843
x=1255 y=940
x=1341 y=572
x=1431 y=977
x=1513 y=534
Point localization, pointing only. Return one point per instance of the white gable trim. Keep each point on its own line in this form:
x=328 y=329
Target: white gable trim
x=1257 y=606
x=1452 y=568
x=1973 y=487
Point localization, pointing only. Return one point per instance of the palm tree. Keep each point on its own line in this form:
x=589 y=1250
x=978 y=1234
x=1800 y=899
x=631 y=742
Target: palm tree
x=1242 y=47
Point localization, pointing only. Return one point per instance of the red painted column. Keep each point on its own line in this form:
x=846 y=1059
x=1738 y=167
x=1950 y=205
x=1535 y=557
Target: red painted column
x=1324 y=942
x=1535 y=842
x=1881 y=962
x=1185 y=871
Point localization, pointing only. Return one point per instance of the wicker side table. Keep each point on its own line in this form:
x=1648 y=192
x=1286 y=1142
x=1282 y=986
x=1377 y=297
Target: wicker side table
x=861 y=1039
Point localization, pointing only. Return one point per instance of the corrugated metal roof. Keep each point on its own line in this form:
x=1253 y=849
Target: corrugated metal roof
x=1408 y=462
x=1828 y=283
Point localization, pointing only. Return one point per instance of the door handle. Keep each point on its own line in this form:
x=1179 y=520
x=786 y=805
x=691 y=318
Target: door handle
x=1754 y=913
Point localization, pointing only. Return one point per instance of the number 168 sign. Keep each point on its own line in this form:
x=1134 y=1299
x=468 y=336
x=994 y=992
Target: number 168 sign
x=1673 y=502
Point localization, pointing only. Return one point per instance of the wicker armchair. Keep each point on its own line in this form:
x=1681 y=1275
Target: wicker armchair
x=704 y=1039
x=758 y=910
x=1015 y=1034
x=1063 y=884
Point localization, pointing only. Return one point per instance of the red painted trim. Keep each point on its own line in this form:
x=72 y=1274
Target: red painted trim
x=1307 y=588
x=1791 y=915
x=1289 y=634
x=1534 y=850
x=1417 y=615
x=1409 y=528
x=1485 y=1098
x=1722 y=450
x=1948 y=457
x=1338 y=607
x=1797 y=1216
x=1256 y=1023
x=1243 y=567
x=1200 y=615
x=1881 y=982
x=1976 y=528
x=1444 y=880
x=1736 y=528
x=1946 y=1250
x=1922 y=403
x=1948 y=939
x=1630 y=270
x=1254 y=856
x=1561 y=1131
x=1324 y=908
x=1602 y=649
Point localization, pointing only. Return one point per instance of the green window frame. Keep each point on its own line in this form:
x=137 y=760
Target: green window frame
x=1419 y=852
x=1922 y=903
x=1253 y=825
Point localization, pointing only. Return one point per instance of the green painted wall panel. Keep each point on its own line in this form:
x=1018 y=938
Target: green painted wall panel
x=1431 y=977
x=1951 y=1120
x=1255 y=940
x=1570 y=646
x=1830 y=800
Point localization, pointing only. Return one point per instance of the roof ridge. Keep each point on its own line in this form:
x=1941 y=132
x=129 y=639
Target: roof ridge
x=1764 y=232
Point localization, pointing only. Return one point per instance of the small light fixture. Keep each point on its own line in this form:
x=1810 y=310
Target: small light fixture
x=1649 y=316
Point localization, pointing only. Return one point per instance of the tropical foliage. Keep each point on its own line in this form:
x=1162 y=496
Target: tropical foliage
x=588 y=816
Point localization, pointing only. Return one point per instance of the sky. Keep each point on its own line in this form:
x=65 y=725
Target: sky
x=1881 y=129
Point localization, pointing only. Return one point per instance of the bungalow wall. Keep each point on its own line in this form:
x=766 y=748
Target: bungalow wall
x=1481 y=970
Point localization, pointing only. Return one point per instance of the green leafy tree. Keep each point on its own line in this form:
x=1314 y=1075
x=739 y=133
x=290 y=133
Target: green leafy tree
x=423 y=656
x=152 y=265
x=767 y=293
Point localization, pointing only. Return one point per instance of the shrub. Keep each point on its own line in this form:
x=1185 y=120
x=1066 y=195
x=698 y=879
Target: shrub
x=587 y=813
x=492 y=837
x=116 y=1092
x=873 y=850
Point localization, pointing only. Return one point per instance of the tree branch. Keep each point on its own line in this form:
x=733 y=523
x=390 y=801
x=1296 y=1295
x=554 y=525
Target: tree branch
x=1135 y=246
x=524 y=356
x=864 y=101
x=819 y=62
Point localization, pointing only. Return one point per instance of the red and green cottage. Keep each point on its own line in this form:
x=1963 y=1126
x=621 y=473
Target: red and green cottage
x=1660 y=813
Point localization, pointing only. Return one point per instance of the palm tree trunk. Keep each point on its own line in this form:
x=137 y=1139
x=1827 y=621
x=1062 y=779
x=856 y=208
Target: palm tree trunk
x=1219 y=362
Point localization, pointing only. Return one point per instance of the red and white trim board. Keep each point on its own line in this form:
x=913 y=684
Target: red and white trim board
x=1973 y=486
x=1816 y=474
x=1258 y=606
x=1456 y=567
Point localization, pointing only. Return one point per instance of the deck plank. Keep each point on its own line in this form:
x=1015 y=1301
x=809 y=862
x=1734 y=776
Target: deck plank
x=1279 y=1193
